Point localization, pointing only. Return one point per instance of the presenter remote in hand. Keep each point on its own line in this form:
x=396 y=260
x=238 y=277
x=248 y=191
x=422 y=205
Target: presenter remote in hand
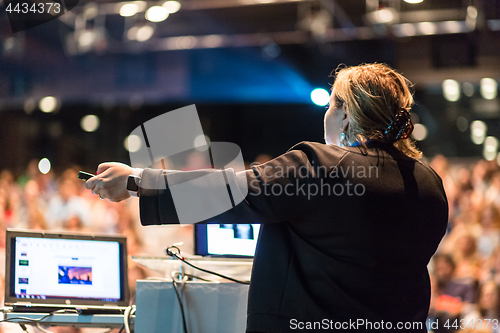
x=110 y=181
x=348 y=227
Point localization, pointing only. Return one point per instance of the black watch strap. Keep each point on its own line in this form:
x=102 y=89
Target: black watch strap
x=132 y=183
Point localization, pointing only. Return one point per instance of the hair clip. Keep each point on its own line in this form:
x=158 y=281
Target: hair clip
x=400 y=127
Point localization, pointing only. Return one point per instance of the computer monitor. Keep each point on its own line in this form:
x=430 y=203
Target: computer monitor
x=226 y=240
x=65 y=268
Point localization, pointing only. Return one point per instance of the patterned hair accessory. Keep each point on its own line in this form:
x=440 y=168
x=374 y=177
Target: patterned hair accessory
x=400 y=127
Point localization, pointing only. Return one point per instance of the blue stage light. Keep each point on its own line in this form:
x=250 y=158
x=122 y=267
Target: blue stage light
x=320 y=96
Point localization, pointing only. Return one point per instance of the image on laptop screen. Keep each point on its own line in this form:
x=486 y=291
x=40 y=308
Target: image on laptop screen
x=62 y=268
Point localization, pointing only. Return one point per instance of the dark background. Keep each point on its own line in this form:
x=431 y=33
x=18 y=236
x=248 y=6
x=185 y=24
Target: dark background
x=253 y=90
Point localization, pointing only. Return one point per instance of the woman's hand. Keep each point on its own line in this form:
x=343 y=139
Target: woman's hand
x=110 y=181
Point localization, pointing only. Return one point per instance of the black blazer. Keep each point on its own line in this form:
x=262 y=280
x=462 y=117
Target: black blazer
x=346 y=242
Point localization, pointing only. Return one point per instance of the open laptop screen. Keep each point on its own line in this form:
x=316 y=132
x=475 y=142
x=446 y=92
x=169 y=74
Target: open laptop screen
x=60 y=268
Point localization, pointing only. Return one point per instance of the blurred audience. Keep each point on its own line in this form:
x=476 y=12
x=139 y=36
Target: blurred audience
x=465 y=272
x=465 y=269
x=67 y=209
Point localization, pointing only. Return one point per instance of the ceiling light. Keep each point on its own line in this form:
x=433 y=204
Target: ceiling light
x=172 y=6
x=48 y=104
x=419 y=132
x=462 y=124
x=129 y=9
x=385 y=15
x=472 y=12
x=144 y=33
x=90 y=123
x=132 y=33
x=405 y=29
x=44 y=165
x=490 y=148
x=212 y=41
x=132 y=143
x=468 y=89
x=478 y=130
x=156 y=14
x=488 y=88
x=427 y=28
x=90 y=11
x=180 y=43
x=452 y=27
x=86 y=38
x=451 y=90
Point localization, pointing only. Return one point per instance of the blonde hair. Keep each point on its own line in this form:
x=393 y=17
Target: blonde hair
x=373 y=94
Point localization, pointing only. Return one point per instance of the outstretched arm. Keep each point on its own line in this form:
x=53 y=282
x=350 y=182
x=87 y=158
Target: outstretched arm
x=110 y=181
x=279 y=190
x=272 y=192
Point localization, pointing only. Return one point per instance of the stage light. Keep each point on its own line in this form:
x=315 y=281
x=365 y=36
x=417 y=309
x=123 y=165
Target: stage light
x=129 y=9
x=452 y=27
x=414 y=1
x=144 y=33
x=468 y=89
x=186 y=42
x=9 y=44
x=272 y=50
x=44 y=165
x=172 y=6
x=490 y=149
x=427 y=28
x=29 y=106
x=132 y=143
x=406 y=29
x=419 y=132
x=86 y=38
x=478 y=131
x=132 y=33
x=141 y=5
x=462 y=124
x=472 y=12
x=320 y=96
x=384 y=15
x=48 y=104
x=156 y=14
x=90 y=123
x=211 y=41
x=201 y=142
x=488 y=88
x=181 y=43
x=451 y=90
x=471 y=18
x=90 y=11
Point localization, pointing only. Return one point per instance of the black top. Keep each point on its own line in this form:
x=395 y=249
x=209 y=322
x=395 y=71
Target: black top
x=347 y=239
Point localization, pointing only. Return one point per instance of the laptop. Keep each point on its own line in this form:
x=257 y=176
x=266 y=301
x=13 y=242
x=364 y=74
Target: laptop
x=49 y=271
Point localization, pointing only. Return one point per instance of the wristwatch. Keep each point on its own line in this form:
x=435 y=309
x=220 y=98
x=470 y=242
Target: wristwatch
x=133 y=182
x=132 y=186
